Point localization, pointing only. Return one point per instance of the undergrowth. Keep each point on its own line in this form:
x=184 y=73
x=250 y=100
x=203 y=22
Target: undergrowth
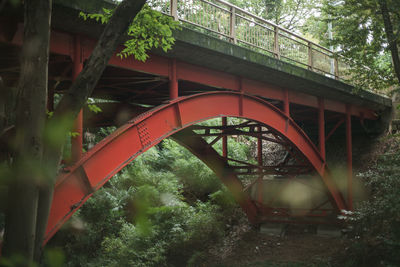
x=376 y=223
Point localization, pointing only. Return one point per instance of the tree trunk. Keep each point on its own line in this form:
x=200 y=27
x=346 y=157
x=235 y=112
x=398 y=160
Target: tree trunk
x=30 y=121
x=3 y=97
x=76 y=97
x=391 y=38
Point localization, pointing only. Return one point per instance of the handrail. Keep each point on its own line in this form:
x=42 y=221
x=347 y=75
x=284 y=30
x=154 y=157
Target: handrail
x=272 y=24
x=241 y=27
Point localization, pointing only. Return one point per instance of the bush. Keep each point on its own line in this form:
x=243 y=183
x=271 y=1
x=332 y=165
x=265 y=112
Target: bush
x=132 y=247
x=376 y=223
x=141 y=217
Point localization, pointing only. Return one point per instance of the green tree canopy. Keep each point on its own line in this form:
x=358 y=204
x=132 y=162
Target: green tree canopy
x=290 y=14
x=367 y=33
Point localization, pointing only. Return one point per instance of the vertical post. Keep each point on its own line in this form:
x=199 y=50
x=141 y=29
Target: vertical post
x=321 y=127
x=349 y=158
x=336 y=62
x=173 y=81
x=76 y=141
x=232 y=30
x=333 y=67
x=286 y=102
x=260 y=164
x=174 y=9
x=276 y=42
x=224 y=139
x=259 y=148
x=241 y=90
x=310 y=56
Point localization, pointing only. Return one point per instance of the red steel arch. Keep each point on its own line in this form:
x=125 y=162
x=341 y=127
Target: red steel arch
x=114 y=152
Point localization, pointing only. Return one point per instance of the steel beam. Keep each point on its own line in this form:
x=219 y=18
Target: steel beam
x=337 y=125
x=349 y=150
x=225 y=139
x=260 y=166
x=259 y=147
x=286 y=102
x=173 y=80
x=60 y=43
x=199 y=147
x=321 y=127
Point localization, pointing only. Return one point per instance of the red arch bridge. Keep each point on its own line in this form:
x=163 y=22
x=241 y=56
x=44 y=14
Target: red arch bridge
x=280 y=100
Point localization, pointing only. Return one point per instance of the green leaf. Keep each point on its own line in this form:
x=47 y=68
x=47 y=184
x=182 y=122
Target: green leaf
x=49 y=114
x=73 y=134
x=94 y=108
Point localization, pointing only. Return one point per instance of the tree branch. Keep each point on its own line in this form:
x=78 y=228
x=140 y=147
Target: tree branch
x=289 y=25
x=85 y=83
x=390 y=37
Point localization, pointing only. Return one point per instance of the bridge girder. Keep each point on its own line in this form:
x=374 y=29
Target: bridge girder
x=62 y=46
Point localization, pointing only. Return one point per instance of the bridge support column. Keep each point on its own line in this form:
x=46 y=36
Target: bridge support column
x=77 y=141
x=321 y=127
x=260 y=164
x=349 y=159
x=286 y=102
x=259 y=148
x=173 y=81
x=225 y=139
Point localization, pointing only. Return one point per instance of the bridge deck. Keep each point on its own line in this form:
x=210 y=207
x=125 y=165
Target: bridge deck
x=203 y=63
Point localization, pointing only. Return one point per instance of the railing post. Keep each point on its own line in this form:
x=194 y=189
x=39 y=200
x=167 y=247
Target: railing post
x=336 y=62
x=310 y=57
x=276 y=42
x=173 y=9
x=232 y=29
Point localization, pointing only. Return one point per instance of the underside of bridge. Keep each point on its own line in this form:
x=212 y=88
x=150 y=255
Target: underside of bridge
x=169 y=97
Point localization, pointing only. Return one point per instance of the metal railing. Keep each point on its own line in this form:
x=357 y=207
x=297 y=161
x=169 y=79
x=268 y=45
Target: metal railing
x=229 y=22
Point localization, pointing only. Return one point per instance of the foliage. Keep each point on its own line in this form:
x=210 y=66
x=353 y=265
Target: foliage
x=359 y=35
x=150 y=29
x=377 y=222
x=290 y=14
x=144 y=216
x=92 y=106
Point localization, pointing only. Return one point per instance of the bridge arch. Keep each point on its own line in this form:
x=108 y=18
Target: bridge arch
x=109 y=156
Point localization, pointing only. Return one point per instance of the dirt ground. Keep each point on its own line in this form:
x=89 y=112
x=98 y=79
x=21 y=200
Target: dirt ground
x=299 y=246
